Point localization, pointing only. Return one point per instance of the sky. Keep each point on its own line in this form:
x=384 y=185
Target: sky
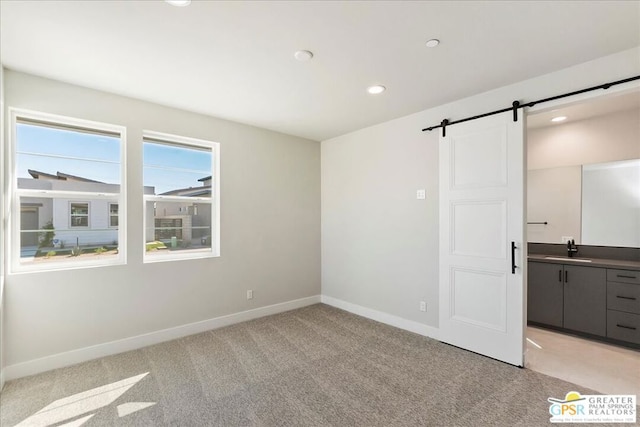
x=97 y=157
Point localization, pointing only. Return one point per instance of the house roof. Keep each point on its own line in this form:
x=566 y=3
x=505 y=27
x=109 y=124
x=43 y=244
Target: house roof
x=206 y=178
x=37 y=174
x=189 y=191
x=59 y=176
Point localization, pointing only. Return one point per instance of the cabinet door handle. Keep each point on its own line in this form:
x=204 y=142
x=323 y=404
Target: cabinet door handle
x=566 y=276
x=624 y=276
x=513 y=258
x=560 y=275
x=623 y=297
x=625 y=327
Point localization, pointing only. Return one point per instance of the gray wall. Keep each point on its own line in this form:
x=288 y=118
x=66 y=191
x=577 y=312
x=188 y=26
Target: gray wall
x=596 y=140
x=380 y=244
x=270 y=233
x=554 y=195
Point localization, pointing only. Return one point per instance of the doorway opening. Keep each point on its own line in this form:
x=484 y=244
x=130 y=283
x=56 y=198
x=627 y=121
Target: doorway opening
x=567 y=308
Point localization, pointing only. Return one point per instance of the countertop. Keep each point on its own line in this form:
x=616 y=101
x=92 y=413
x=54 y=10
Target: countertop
x=595 y=262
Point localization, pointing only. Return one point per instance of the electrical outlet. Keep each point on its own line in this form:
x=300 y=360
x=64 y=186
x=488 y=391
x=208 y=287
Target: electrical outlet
x=421 y=194
x=565 y=239
x=423 y=306
x=249 y=294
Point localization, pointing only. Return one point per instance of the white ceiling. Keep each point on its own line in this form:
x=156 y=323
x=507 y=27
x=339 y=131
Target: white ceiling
x=235 y=59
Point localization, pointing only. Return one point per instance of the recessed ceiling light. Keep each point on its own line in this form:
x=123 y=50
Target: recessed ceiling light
x=559 y=119
x=179 y=3
x=303 y=55
x=374 y=90
x=433 y=43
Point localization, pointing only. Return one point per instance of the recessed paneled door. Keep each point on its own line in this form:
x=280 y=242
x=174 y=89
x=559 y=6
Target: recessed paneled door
x=482 y=254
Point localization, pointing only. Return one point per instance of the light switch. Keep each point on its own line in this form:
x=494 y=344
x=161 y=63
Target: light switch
x=421 y=194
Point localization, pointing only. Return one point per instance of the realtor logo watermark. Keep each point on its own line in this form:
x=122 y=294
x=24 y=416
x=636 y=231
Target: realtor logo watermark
x=605 y=408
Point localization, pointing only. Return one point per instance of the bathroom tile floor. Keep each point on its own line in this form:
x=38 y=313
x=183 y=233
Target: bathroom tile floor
x=606 y=368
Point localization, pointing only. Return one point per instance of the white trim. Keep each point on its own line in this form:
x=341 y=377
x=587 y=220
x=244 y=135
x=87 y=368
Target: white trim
x=64 y=265
x=169 y=139
x=3 y=224
x=177 y=199
x=79 y=196
x=72 y=357
x=57 y=119
x=179 y=255
x=382 y=317
x=215 y=211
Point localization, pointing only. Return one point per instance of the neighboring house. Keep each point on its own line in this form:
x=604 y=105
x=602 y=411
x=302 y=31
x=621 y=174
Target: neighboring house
x=86 y=222
x=192 y=219
x=94 y=222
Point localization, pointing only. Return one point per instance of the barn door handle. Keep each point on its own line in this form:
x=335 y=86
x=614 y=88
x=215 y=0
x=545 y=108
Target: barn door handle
x=513 y=258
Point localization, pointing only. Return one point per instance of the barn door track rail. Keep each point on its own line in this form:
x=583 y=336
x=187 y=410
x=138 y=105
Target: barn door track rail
x=517 y=105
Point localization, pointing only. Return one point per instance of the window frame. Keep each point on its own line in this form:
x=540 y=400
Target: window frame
x=214 y=200
x=14 y=194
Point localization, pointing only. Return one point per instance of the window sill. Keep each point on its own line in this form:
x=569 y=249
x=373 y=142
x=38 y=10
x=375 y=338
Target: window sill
x=179 y=256
x=64 y=265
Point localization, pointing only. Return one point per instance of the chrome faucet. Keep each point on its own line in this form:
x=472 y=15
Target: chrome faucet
x=571 y=248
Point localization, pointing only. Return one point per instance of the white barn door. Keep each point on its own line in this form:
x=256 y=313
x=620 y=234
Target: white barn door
x=482 y=298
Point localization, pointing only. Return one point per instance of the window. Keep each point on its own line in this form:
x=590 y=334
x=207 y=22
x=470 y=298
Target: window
x=67 y=192
x=113 y=215
x=79 y=214
x=181 y=197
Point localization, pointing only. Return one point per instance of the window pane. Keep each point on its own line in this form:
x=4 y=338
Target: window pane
x=113 y=214
x=177 y=170
x=177 y=226
x=68 y=160
x=79 y=208
x=79 y=214
x=46 y=235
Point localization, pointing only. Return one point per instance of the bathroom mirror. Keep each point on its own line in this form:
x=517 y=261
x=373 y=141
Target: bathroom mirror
x=595 y=204
x=611 y=204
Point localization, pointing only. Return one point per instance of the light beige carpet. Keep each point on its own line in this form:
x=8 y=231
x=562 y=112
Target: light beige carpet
x=314 y=366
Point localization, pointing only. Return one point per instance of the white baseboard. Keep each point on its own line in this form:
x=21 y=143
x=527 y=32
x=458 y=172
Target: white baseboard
x=382 y=317
x=72 y=357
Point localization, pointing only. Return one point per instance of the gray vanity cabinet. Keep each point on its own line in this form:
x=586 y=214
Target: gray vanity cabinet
x=568 y=296
x=545 y=295
x=623 y=305
x=585 y=299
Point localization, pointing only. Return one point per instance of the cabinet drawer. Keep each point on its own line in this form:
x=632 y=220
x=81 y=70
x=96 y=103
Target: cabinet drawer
x=623 y=297
x=624 y=276
x=623 y=326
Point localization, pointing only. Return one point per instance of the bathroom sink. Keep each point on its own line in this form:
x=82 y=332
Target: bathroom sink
x=554 y=258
